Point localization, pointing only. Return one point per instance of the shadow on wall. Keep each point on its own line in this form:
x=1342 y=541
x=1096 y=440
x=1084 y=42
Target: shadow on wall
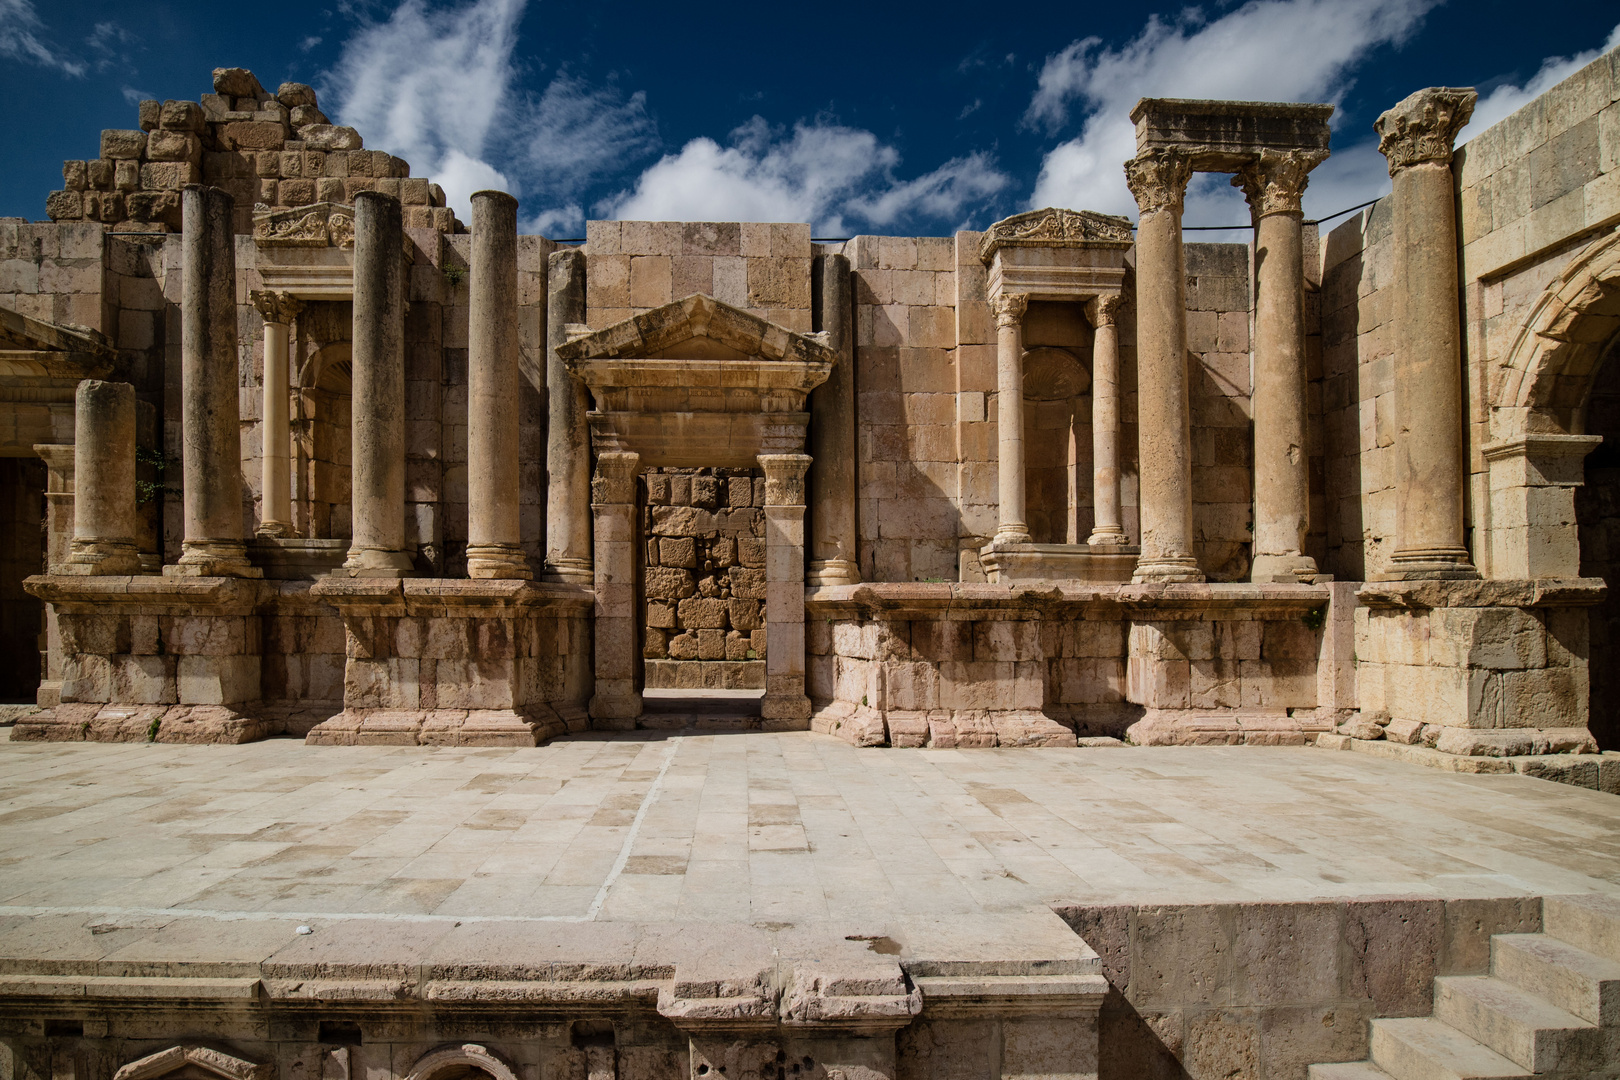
x=1597 y=515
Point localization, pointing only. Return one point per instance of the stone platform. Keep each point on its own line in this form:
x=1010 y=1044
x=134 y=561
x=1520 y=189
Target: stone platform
x=695 y=896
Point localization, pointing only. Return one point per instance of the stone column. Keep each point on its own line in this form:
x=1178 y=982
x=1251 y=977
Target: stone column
x=494 y=538
x=377 y=487
x=568 y=437
x=58 y=458
x=1274 y=186
x=617 y=700
x=1159 y=182
x=1106 y=528
x=279 y=309
x=1009 y=309
x=211 y=454
x=832 y=437
x=1416 y=137
x=785 y=699
x=104 y=503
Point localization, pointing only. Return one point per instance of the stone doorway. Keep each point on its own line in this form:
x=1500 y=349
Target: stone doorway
x=1597 y=513
x=22 y=553
x=703 y=626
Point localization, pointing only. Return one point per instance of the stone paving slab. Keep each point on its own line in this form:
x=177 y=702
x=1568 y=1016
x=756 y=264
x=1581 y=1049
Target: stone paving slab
x=768 y=829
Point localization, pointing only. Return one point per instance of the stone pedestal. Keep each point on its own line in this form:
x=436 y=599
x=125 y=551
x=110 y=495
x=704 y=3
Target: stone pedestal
x=785 y=702
x=1274 y=185
x=104 y=504
x=494 y=540
x=278 y=309
x=1107 y=529
x=833 y=480
x=154 y=659
x=1158 y=180
x=210 y=416
x=438 y=662
x=1430 y=473
x=1009 y=309
x=1533 y=482
x=377 y=547
x=1466 y=667
x=568 y=439
x=617 y=699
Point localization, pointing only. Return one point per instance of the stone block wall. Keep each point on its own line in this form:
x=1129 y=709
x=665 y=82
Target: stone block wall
x=635 y=266
x=1358 y=422
x=276 y=149
x=1266 y=990
x=704 y=536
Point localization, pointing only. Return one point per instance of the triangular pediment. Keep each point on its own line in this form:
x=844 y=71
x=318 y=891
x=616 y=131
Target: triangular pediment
x=34 y=347
x=698 y=327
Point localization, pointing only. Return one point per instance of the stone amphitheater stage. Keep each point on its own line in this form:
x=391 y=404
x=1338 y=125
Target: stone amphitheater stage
x=1297 y=891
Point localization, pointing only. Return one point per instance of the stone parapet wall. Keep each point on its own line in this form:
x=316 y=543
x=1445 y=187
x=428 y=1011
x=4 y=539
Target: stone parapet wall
x=271 y=149
x=704 y=531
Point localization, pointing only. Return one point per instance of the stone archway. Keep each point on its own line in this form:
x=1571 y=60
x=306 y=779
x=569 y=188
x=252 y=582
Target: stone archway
x=1597 y=513
x=469 y=1061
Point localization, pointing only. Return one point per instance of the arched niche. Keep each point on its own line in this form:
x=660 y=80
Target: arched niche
x=322 y=425
x=193 y=1062
x=468 y=1061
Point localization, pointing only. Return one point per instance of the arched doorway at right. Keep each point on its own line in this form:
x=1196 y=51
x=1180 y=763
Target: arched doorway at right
x=1597 y=514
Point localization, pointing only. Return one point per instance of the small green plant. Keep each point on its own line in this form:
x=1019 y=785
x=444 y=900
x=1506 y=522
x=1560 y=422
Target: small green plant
x=147 y=490
x=1316 y=618
x=454 y=275
x=752 y=655
x=152 y=729
x=863 y=699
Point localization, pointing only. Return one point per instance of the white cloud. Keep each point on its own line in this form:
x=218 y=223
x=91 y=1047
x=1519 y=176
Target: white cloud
x=1507 y=99
x=574 y=132
x=20 y=30
x=134 y=96
x=1266 y=50
x=819 y=174
x=429 y=86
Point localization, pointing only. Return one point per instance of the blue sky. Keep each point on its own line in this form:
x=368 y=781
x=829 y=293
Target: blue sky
x=858 y=117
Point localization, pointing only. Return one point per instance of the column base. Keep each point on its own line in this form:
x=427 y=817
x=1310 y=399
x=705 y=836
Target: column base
x=274 y=530
x=832 y=572
x=505 y=561
x=1166 y=569
x=1433 y=564
x=213 y=558
x=570 y=571
x=376 y=562
x=1109 y=537
x=1288 y=568
x=1010 y=534
x=91 y=558
x=616 y=704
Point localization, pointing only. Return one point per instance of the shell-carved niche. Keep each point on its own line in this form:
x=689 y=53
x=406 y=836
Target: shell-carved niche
x=191 y=1062
x=1054 y=374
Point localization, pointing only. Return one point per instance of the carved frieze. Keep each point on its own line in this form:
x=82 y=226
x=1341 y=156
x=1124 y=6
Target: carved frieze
x=1424 y=126
x=1158 y=180
x=1275 y=182
x=316 y=225
x=1054 y=227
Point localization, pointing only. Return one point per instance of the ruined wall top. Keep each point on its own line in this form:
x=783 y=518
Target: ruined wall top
x=269 y=150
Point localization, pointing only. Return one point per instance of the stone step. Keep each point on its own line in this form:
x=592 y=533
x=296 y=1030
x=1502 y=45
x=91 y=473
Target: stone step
x=1586 y=921
x=1346 y=1070
x=1422 y=1048
x=1529 y=1030
x=1569 y=977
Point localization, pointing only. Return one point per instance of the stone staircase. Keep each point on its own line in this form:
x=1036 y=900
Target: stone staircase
x=1550 y=1008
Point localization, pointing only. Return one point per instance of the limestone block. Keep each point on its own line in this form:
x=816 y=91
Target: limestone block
x=217 y=679
x=745 y=615
x=1214 y=684
x=174 y=146
x=236 y=82
x=701 y=613
x=64 y=205
x=252 y=135
x=169 y=175
x=677 y=551
x=1542 y=698
x=669 y=583
x=1407 y=732
x=329 y=137
x=123 y=144
x=1277 y=684
x=86 y=678
x=1289 y=639
x=143 y=680
x=711 y=642
x=683 y=646
x=1497 y=638
x=748 y=584
x=293 y=95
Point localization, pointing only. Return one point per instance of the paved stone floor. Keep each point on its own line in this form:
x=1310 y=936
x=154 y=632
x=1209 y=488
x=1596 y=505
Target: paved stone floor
x=762 y=828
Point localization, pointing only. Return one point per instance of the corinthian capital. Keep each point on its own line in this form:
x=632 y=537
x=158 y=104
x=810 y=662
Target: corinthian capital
x=1275 y=183
x=1423 y=126
x=276 y=307
x=1158 y=180
x=1106 y=310
x=1009 y=308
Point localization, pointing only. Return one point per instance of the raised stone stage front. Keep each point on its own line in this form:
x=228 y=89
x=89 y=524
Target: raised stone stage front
x=766 y=905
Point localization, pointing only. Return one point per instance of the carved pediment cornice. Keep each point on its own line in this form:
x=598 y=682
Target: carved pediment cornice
x=1055 y=227
x=663 y=331
x=319 y=225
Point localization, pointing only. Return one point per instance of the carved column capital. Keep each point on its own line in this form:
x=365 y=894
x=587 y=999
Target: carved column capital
x=276 y=307
x=1009 y=308
x=615 y=480
x=784 y=478
x=1424 y=126
x=1158 y=180
x=1275 y=183
x=1106 y=310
